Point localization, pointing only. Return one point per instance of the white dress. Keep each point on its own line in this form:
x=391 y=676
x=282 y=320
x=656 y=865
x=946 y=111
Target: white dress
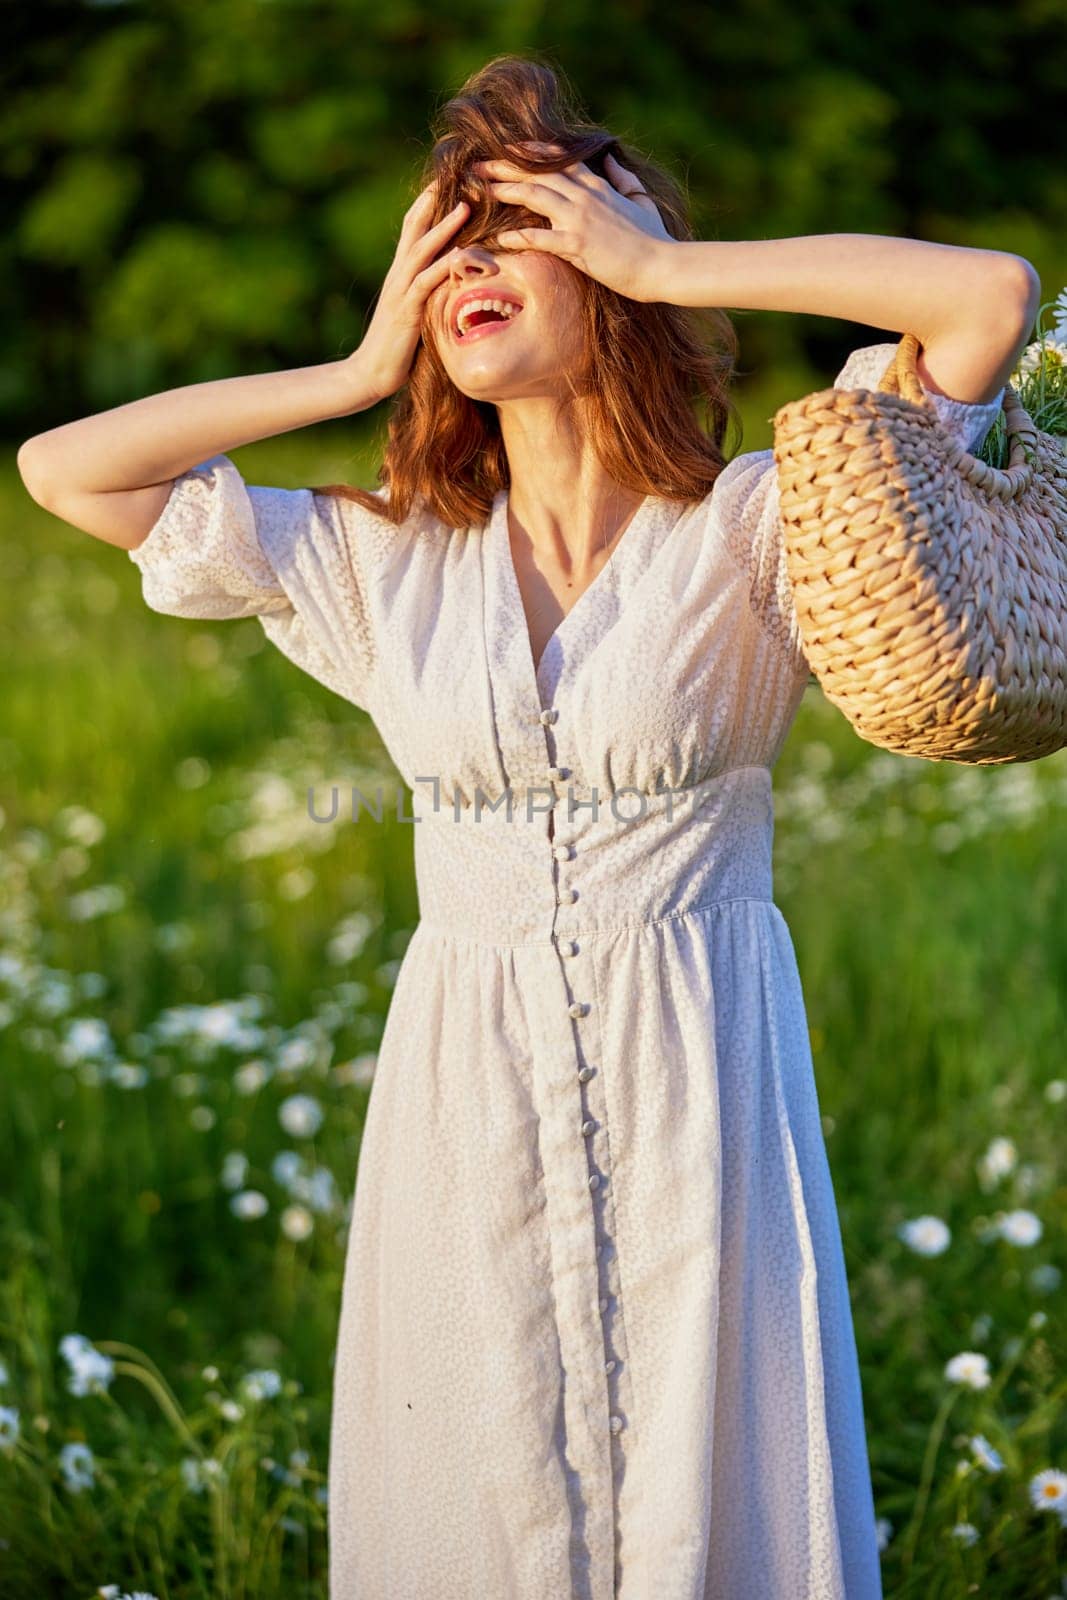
x=595 y=1335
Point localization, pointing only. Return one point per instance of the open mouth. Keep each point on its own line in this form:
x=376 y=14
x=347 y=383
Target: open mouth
x=487 y=315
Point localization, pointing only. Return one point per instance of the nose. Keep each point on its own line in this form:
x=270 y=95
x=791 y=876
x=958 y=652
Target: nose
x=471 y=261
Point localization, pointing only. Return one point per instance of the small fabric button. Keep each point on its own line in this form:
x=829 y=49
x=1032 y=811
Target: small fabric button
x=609 y=1366
x=567 y=896
x=584 y=1074
x=569 y=947
x=558 y=772
x=548 y=716
x=588 y=1127
x=562 y=852
x=594 y=1183
x=577 y=1008
x=604 y=1304
x=615 y=1424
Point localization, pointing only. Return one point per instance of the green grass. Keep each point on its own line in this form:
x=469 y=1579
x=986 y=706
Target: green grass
x=927 y=909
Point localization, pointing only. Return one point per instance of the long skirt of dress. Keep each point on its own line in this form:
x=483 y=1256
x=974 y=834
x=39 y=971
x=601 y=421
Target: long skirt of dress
x=596 y=1337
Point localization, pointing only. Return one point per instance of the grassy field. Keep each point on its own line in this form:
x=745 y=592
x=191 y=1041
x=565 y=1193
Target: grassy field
x=193 y=980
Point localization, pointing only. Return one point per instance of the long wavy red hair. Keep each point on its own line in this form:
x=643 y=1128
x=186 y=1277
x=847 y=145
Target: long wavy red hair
x=655 y=390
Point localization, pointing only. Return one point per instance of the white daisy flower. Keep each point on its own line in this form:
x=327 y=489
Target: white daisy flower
x=96 y=902
x=316 y=1188
x=297 y=1223
x=230 y=1024
x=1030 y=1179
x=1055 y=1090
x=360 y=1070
x=1048 y=1490
x=997 y=1161
x=301 y=1116
x=965 y=1532
x=197 y=1472
x=251 y=1077
x=296 y=1053
x=78 y=1466
x=90 y=1370
x=1052 y=350
x=926 y=1235
x=231 y=1410
x=970 y=1367
x=1046 y=1278
x=108 y=1591
x=349 y=937
x=249 y=1203
x=234 y=1169
x=262 y=1384
x=985 y=1454
x=86 y=1038
x=286 y=1167
x=883 y=1529
x=9 y=1428
x=1059 y=307
x=1019 y=1227
x=128 y=1074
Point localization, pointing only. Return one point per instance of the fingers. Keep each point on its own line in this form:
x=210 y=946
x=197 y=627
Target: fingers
x=431 y=241
x=421 y=207
x=551 y=240
x=425 y=282
x=621 y=176
x=415 y=250
x=538 y=193
x=562 y=182
x=626 y=182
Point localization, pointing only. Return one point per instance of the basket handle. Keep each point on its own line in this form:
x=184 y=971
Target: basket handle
x=1006 y=483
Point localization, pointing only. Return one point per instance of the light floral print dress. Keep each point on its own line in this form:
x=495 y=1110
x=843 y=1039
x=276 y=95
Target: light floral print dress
x=595 y=1335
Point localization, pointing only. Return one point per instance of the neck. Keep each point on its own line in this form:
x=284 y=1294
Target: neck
x=561 y=497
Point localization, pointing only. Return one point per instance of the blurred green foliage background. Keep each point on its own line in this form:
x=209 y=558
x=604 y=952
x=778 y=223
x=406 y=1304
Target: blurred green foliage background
x=200 y=190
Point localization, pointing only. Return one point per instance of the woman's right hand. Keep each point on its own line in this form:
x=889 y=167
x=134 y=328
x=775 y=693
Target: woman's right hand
x=385 y=356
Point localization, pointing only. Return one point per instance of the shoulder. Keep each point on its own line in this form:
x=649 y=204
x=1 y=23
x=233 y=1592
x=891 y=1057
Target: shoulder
x=743 y=494
x=372 y=526
x=385 y=554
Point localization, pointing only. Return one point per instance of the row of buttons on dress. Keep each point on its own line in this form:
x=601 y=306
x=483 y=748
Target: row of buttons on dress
x=579 y=1008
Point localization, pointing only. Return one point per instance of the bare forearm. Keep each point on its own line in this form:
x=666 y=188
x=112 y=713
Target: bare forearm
x=151 y=440
x=970 y=308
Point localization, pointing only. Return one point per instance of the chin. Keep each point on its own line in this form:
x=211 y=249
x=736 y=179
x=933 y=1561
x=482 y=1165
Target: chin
x=495 y=381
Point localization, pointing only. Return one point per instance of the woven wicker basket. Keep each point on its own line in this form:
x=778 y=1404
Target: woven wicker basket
x=930 y=588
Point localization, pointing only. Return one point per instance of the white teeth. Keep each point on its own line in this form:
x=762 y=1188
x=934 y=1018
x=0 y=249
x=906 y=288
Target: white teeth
x=506 y=308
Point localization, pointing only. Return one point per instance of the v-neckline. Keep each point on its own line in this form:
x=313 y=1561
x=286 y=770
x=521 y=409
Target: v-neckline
x=503 y=533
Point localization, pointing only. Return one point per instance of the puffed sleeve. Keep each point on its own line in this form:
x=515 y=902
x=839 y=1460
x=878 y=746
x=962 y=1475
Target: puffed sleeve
x=224 y=549
x=746 y=495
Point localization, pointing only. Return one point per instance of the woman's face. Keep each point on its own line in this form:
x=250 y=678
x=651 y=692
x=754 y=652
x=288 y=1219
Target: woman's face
x=526 y=350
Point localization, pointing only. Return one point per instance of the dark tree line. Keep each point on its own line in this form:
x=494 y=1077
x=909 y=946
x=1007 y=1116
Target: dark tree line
x=199 y=190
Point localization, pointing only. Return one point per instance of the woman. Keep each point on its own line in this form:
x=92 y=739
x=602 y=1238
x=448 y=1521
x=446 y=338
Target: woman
x=595 y=1335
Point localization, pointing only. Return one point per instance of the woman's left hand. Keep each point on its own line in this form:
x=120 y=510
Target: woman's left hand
x=595 y=225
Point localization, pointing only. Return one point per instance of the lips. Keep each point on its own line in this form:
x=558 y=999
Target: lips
x=493 y=309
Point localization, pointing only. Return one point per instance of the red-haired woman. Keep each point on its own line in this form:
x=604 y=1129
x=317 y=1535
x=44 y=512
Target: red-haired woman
x=595 y=1337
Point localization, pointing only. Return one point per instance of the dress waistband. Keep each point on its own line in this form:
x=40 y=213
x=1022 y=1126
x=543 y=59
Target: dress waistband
x=520 y=876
